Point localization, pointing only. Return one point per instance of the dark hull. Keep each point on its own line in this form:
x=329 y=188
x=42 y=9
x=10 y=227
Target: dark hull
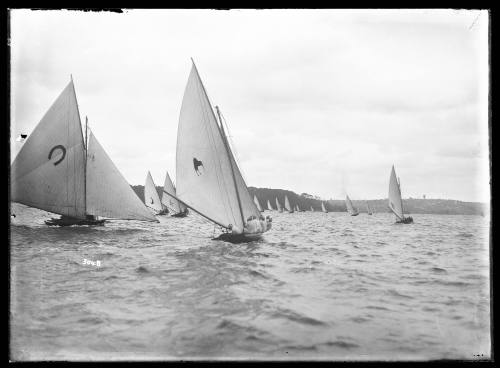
x=406 y=220
x=180 y=214
x=70 y=221
x=238 y=238
x=354 y=214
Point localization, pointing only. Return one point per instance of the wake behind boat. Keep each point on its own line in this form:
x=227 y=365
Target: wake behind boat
x=208 y=178
x=58 y=171
x=395 y=200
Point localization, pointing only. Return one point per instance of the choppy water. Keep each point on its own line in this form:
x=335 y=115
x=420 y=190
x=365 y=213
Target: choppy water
x=317 y=286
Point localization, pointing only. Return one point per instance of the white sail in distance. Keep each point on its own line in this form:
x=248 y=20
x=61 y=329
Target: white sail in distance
x=312 y=209
x=323 y=208
x=256 y=201
x=49 y=171
x=287 y=205
x=167 y=200
x=108 y=193
x=350 y=207
x=278 y=205
x=151 y=197
x=208 y=179
x=395 y=201
x=269 y=207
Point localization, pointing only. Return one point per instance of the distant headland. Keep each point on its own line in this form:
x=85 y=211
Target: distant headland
x=306 y=201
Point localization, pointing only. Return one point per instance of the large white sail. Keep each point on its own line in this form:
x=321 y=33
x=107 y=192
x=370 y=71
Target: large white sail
x=108 y=193
x=269 y=207
x=278 y=205
x=206 y=170
x=49 y=170
x=167 y=200
x=395 y=201
x=312 y=209
x=323 y=207
x=287 y=205
x=151 y=197
x=256 y=201
x=350 y=207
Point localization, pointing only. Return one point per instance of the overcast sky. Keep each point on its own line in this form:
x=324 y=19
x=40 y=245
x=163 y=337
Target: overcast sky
x=316 y=101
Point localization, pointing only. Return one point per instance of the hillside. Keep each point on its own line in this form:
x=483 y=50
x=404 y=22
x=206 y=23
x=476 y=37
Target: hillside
x=412 y=205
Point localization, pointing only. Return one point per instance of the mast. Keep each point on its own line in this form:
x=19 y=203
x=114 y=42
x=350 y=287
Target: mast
x=402 y=208
x=226 y=144
x=85 y=147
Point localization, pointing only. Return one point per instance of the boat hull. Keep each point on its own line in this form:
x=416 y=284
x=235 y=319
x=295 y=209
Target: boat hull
x=180 y=214
x=71 y=221
x=238 y=238
x=406 y=220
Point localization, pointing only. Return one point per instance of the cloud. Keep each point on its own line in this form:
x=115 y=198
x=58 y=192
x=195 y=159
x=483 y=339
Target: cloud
x=315 y=100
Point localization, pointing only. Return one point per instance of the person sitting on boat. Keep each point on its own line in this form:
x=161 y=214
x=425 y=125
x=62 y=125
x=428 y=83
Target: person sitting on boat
x=252 y=225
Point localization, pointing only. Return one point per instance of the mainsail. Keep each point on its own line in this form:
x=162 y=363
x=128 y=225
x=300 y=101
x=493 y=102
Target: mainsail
x=256 y=201
x=48 y=172
x=208 y=178
x=55 y=172
x=350 y=207
x=323 y=207
x=312 y=209
x=287 y=205
x=269 y=205
x=151 y=197
x=395 y=201
x=278 y=205
x=108 y=193
x=167 y=200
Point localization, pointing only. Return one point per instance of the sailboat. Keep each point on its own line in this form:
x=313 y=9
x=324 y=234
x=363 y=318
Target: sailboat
x=256 y=201
x=287 y=205
x=323 y=208
x=208 y=178
x=168 y=199
x=312 y=209
x=350 y=208
x=395 y=200
x=58 y=171
x=269 y=208
x=278 y=205
x=297 y=208
x=151 y=197
x=368 y=210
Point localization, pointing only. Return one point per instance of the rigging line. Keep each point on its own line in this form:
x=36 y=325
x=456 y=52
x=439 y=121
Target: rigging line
x=225 y=186
x=231 y=159
x=208 y=129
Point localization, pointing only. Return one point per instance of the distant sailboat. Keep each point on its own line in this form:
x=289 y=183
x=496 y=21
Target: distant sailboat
x=208 y=178
x=395 y=200
x=368 y=210
x=58 y=171
x=287 y=205
x=168 y=200
x=151 y=197
x=350 y=208
x=278 y=205
x=323 y=208
x=269 y=208
x=312 y=209
x=256 y=201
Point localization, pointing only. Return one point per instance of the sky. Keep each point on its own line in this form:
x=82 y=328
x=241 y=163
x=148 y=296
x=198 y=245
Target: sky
x=316 y=101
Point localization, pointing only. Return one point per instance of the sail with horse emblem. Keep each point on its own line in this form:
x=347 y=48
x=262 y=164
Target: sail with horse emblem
x=208 y=178
x=55 y=171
